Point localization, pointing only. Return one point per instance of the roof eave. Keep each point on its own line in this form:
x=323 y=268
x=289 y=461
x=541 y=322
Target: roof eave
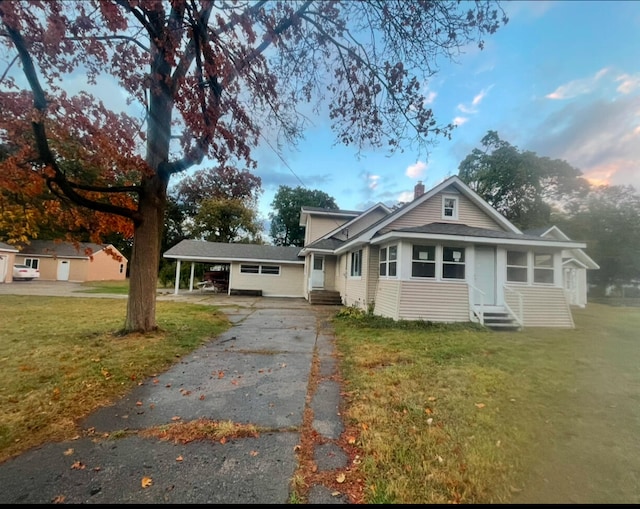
x=475 y=240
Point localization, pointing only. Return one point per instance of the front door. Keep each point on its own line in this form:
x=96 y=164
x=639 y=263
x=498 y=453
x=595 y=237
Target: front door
x=63 y=270
x=485 y=273
x=317 y=272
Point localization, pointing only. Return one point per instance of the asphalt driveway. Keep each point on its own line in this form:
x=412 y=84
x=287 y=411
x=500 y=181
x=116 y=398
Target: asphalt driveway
x=256 y=373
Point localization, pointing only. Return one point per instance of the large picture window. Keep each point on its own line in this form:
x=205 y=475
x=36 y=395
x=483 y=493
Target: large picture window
x=389 y=261
x=543 y=268
x=423 y=261
x=356 y=263
x=517 y=266
x=453 y=262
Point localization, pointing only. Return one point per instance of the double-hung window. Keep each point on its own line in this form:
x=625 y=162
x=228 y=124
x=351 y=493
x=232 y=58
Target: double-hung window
x=32 y=262
x=453 y=262
x=449 y=207
x=389 y=261
x=356 y=263
x=543 y=268
x=423 y=261
x=517 y=266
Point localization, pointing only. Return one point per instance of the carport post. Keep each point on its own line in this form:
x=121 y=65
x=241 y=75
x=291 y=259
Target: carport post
x=177 y=277
x=193 y=268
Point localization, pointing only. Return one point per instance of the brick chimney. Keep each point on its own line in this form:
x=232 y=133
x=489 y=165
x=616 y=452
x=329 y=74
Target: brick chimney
x=418 y=190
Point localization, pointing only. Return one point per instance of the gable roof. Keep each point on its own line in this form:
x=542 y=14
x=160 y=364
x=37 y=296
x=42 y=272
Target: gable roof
x=556 y=233
x=201 y=250
x=328 y=243
x=367 y=235
x=320 y=211
x=52 y=248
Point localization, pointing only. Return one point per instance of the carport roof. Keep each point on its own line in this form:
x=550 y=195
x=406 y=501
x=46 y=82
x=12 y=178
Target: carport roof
x=200 y=250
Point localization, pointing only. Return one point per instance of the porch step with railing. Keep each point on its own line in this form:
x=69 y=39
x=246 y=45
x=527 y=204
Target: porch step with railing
x=500 y=320
x=325 y=297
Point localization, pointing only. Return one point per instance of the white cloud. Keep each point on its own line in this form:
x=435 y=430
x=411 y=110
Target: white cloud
x=577 y=87
x=373 y=181
x=460 y=120
x=405 y=197
x=416 y=170
x=475 y=102
x=430 y=97
x=628 y=83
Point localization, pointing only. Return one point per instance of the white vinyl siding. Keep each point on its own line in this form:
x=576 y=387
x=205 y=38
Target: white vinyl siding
x=435 y=301
x=544 y=306
x=386 y=300
x=431 y=212
x=289 y=283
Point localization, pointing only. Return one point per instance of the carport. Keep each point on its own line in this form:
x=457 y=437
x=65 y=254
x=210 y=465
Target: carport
x=274 y=271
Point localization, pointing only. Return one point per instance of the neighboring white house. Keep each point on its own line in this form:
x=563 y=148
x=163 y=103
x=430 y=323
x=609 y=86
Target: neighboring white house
x=446 y=256
x=575 y=263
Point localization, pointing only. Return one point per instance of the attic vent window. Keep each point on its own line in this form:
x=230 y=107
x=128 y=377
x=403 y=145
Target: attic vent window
x=449 y=207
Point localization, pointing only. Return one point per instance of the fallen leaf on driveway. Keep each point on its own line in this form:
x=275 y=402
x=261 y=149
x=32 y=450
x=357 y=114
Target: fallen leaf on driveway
x=341 y=477
x=146 y=482
x=179 y=458
x=78 y=465
x=68 y=452
x=176 y=418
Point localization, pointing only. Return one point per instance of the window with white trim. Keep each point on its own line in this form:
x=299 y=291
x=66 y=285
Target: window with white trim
x=389 y=261
x=34 y=263
x=273 y=270
x=356 y=263
x=453 y=262
x=449 y=207
x=517 y=266
x=423 y=261
x=543 y=268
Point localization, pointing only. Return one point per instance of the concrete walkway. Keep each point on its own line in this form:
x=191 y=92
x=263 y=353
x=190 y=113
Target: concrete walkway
x=257 y=372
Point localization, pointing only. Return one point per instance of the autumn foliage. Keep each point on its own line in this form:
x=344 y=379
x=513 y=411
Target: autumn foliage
x=202 y=80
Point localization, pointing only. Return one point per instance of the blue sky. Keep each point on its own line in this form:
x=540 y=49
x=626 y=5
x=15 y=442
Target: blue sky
x=561 y=79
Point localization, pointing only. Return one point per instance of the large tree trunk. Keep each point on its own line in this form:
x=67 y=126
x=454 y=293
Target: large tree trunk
x=145 y=258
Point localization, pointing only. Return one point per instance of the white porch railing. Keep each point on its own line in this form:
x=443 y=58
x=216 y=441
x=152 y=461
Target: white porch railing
x=519 y=316
x=476 y=306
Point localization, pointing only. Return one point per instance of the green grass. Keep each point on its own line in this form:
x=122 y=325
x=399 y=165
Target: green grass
x=113 y=287
x=60 y=358
x=457 y=415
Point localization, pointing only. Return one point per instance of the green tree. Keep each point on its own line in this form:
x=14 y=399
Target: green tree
x=608 y=220
x=226 y=220
x=216 y=204
x=285 y=227
x=521 y=185
x=211 y=78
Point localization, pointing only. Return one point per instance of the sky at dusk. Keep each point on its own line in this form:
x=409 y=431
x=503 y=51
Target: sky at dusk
x=561 y=79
